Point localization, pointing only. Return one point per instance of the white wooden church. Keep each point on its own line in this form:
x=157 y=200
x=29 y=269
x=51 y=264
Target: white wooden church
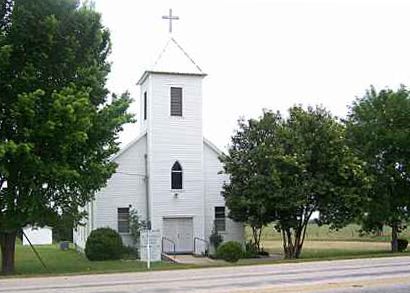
x=170 y=173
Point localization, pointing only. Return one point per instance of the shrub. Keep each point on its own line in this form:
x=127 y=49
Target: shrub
x=402 y=244
x=63 y=228
x=216 y=239
x=230 y=251
x=263 y=252
x=103 y=244
x=129 y=252
x=136 y=226
x=251 y=251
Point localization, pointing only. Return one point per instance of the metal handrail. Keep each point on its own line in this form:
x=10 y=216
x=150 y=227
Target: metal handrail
x=203 y=240
x=170 y=241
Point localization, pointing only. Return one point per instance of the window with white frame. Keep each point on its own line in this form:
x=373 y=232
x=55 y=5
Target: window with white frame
x=123 y=216
x=145 y=105
x=176 y=101
x=176 y=176
x=220 y=219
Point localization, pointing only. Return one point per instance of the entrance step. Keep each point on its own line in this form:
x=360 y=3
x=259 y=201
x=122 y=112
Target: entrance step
x=191 y=259
x=168 y=258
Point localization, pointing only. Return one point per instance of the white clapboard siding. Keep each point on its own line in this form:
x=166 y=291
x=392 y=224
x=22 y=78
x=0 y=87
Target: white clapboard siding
x=174 y=138
x=213 y=198
x=81 y=232
x=145 y=88
x=126 y=188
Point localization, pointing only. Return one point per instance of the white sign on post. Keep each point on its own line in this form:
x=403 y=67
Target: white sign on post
x=150 y=246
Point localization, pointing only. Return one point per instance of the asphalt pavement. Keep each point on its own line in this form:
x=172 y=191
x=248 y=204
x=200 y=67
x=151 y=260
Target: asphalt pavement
x=390 y=275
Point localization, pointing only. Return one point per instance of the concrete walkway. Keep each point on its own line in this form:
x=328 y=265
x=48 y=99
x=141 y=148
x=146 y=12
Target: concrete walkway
x=190 y=259
x=200 y=260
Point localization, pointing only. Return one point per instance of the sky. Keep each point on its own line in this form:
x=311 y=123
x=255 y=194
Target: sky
x=263 y=54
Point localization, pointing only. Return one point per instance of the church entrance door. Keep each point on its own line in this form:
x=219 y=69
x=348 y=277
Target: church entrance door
x=180 y=231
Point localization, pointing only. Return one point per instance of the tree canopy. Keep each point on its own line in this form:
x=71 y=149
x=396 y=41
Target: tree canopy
x=252 y=174
x=318 y=172
x=290 y=168
x=379 y=130
x=57 y=129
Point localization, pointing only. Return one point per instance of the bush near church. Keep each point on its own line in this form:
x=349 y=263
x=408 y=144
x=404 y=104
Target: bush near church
x=402 y=244
x=104 y=244
x=252 y=251
x=216 y=239
x=230 y=251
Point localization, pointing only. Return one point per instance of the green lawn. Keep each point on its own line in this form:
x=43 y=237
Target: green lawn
x=325 y=249
x=320 y=244
x=323 y=243
x=323 y=233
x=69 y=261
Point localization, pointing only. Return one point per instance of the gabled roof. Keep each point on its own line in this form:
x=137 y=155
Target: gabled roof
x=213 y=147
x=173 y=60
x=134 y=141
x=130 y=144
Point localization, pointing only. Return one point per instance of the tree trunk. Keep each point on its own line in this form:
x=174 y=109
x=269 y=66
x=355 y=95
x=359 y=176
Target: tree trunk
x=288 y=245
x=379 y=231
x=298 y=249
x=256 y=233
x=394 y=237
x=8 y=246
x=293 y=247
x=292 y=252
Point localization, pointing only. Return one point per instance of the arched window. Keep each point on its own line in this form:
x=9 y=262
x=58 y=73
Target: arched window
x=176 y=176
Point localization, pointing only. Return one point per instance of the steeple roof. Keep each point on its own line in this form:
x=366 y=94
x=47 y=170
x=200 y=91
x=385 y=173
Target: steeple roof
x=173 y=60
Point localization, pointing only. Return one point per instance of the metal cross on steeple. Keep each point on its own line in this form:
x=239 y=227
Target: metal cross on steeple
x=170 y=17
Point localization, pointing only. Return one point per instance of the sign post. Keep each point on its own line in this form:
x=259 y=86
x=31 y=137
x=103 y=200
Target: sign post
x=148 y=251
x=150 y=246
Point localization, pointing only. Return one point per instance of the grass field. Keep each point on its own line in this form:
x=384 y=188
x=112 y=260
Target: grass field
x=70 y=261
x=323 y=233
x=321 y=242
x=324 y=249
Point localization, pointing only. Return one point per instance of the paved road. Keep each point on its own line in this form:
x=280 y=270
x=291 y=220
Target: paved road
x=364 y=275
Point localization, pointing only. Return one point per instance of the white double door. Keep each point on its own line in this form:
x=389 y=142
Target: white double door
x=180 y=231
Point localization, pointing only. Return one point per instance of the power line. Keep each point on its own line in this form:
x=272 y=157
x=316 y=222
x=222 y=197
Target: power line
x=130 y=174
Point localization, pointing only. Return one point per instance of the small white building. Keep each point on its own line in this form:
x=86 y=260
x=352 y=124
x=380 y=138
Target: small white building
x=170 y=173
x=38 y=235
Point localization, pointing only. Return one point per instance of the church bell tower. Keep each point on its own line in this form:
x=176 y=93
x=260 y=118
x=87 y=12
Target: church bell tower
x=171 y=117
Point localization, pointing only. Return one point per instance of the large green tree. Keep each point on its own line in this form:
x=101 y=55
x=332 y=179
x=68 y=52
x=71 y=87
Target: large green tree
x=283 y=170
x=251 y=172
x=318 y=172
x=57 y=131
x=379 y=129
